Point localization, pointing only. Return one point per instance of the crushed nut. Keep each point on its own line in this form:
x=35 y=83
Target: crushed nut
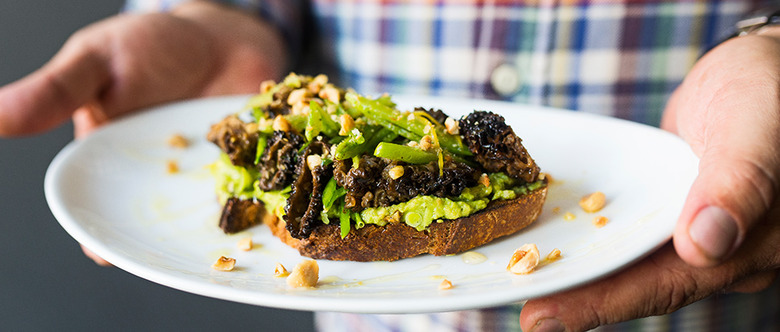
x=298 y=96
x=445 y=284
x=300 y=108
x=224 y=264
x=305 y=274
x=554 y=255
x=600 y=221
x=347 y=124
x=426 y=142
x=317 y=83
x=484 y=180
x=593 y=202
x=252 y=127
x=524 y=260
x=452 y=125
x=178 y=141
x=396 y=172
x=568 y=216
x=393 y=218
x=313 y=161
x=281 y=124
x=556 y=210
x=410 y=117
x=245 y=244
x=413 y=144
x=266 y=86
x=280 y=271
x=330 y=93
x=172 y=167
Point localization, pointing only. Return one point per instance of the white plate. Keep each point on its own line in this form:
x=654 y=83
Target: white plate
x=112 y=193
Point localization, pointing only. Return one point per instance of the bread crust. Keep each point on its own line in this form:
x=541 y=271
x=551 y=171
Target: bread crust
x=396 y=241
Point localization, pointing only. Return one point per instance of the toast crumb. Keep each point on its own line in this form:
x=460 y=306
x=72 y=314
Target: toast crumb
x=305 y=274
x=224 y=264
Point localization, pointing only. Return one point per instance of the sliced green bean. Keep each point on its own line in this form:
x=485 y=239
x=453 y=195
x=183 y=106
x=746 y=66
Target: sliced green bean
x=408 y=154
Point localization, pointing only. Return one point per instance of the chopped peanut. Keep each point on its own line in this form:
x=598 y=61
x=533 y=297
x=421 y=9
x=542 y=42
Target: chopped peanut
x=396 y=172
x=600 y=221
x=445 y=284
x=556 y=210
x=410 y=117
x=452 y=125
x=224 y=264
x=178 y=141
x=394 y=218
x=313 y=161
x=524 y=260
x=300 y=108
x=298 y=96
x=484 y=180
x=568 y=216
x=347 y=124
x=280 y=271
x=426 y=142
x=266 y=86
x=554 y=255
x=281 y=124
x=330 y=93
x=252 y=127
x=245 y=244
x=305 y=274
x=172 y=167
x=593 y=202
x=317 y=83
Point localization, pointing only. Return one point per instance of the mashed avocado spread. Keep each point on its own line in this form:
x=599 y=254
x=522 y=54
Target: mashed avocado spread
x=419 y=212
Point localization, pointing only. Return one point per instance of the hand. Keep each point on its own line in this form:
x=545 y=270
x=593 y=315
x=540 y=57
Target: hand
x=728 y=234
x=133 y=61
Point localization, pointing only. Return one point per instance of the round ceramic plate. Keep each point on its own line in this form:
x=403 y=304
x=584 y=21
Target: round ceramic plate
x=113 y=193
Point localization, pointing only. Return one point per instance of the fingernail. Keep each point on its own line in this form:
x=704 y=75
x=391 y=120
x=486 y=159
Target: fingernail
x=548 y=325
x=714 y=232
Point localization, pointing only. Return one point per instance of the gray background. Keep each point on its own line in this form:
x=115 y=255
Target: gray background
x=45 y=281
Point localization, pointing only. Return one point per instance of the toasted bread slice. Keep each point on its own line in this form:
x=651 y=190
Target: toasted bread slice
x=396 y=241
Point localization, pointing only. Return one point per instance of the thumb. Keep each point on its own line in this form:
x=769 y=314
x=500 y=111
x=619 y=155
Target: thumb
x=49 y=96
x=738 y=176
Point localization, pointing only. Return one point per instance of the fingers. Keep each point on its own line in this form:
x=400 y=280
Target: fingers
x=730 y=116
x=660 y=284
x=94 y=257
x=49 y=96
x=735 y=187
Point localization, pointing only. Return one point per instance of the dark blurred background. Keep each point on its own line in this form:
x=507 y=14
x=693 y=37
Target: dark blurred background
x=46 y=283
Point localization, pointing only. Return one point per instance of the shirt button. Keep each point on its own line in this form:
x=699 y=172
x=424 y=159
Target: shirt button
x=505 y=80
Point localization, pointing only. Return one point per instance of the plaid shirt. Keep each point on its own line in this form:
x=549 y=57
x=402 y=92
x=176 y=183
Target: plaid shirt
x=621 y=58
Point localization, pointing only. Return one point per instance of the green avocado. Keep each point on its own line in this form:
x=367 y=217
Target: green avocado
x=419 y=212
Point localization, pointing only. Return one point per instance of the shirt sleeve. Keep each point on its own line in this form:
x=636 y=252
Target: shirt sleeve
x=286 y=15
